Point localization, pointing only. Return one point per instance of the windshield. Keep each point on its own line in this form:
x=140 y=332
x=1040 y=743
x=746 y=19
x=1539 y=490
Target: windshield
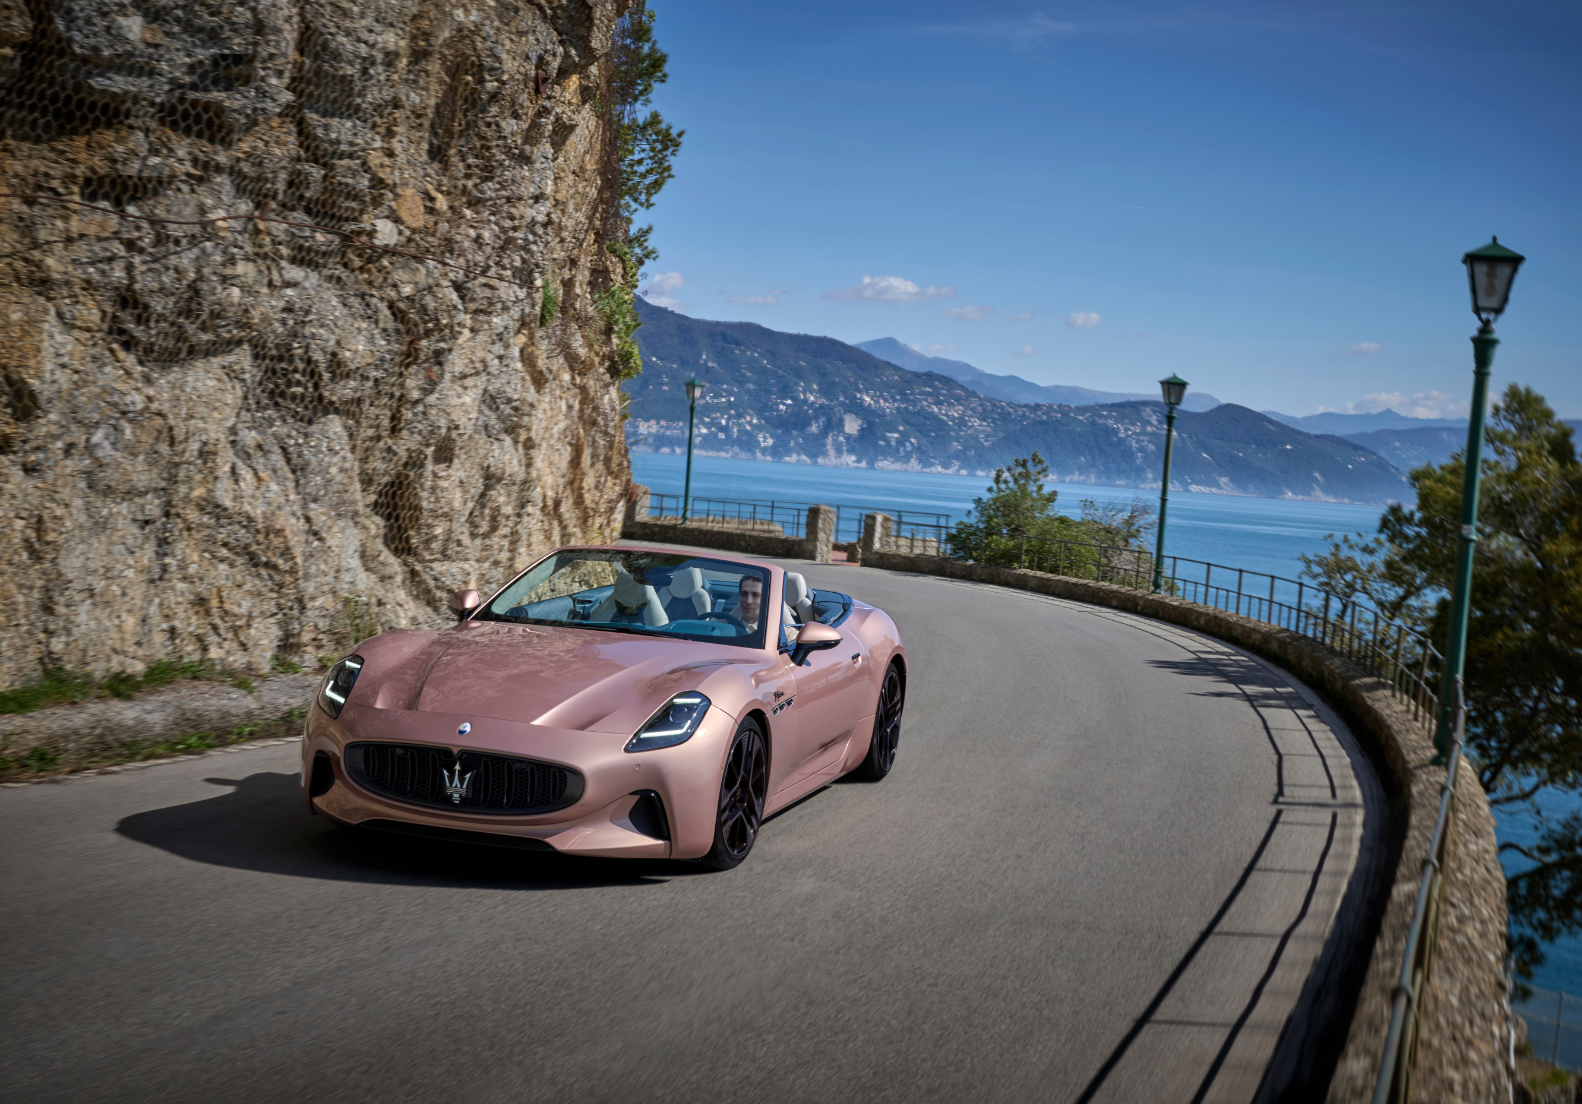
x=648 y=593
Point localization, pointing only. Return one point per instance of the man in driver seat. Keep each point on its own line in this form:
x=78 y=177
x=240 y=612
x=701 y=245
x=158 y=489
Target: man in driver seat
x=749 y=601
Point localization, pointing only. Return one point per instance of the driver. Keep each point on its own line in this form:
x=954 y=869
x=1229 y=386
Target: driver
x=750 y=601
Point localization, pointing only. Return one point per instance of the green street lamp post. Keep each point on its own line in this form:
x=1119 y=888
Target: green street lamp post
x=1173 y=387
x=694 y=389
x=1490 y=271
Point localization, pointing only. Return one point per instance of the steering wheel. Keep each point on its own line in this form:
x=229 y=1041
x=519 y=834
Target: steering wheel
x=741 y=626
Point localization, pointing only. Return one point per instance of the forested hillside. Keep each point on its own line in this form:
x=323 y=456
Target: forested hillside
x=805 y=399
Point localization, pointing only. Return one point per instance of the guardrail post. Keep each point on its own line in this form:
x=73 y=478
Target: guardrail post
x=637 y=503
x=820 y=532
x=876 y=531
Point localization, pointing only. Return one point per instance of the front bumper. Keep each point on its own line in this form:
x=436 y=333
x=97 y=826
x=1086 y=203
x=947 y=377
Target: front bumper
x=601 y=823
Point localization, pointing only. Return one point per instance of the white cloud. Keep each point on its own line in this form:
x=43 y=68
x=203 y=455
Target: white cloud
x=1083 y=320
x=1025 y=350
x=778 y=291
x=933 y=350
x=1019 y=317
x=667 y=282
x=1364 y=349
x=971 y=314
x=888 y=289
x=661 y=290
x=1019 y=31
x=755 y=300
x=1423 y=404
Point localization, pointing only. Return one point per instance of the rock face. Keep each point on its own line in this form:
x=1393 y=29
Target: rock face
x=231 y=438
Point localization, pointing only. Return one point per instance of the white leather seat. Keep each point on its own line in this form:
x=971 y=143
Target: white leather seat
x=798 y=598
x=687 y=596
x=632 y=593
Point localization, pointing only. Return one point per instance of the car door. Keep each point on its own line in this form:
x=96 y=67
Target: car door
x=832 y=697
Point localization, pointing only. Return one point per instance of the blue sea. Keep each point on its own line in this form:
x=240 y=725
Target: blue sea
x=1259 y=534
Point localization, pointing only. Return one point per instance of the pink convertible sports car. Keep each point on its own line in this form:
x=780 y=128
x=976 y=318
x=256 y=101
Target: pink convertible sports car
x=630 y=702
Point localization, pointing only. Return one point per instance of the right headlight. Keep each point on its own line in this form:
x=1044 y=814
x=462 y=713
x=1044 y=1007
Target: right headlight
x=338 y=686
x=674 y=724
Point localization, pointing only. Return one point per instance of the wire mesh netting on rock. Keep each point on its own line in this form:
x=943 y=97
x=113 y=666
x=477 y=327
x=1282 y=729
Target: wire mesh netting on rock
x=297 y=309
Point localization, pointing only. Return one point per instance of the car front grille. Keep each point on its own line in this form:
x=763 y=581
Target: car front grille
x=473 y=782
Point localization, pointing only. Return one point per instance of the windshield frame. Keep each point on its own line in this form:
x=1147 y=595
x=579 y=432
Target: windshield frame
x=661 y=560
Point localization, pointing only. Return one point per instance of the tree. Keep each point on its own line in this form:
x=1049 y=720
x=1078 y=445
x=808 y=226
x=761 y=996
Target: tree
x=1524 y=641
x=646 y=144
x=1012 y=524
x=1121 y=526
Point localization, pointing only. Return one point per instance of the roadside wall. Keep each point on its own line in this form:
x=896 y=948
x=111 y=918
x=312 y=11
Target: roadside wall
x=820 y=524
x=1463 y=1024
x=84 y=729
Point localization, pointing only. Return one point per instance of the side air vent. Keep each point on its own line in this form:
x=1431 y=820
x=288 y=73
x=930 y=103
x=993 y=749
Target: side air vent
x=323 y=776
x=648 y=815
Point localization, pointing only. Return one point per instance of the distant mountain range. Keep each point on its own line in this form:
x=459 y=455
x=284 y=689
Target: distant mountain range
x=804 y=399
x=1014 y=388
x=1330 y=422
x=1412 y=448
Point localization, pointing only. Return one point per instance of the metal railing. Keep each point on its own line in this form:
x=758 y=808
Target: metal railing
x=1361 y=632
x=1549 y=1033
x=789 y=515
x=1394 y=1083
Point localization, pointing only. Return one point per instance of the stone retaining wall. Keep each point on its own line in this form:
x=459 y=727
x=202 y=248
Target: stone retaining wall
x=84 y=729
x=726 y=540
x=708 y=533
x=1461 y=1055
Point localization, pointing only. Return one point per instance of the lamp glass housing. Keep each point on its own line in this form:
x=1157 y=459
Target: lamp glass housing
x=1173 y=388
x=694 y=389
x=1490 y=272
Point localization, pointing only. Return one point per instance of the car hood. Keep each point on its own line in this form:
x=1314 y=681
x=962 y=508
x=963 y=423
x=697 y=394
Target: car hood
x=564 y=677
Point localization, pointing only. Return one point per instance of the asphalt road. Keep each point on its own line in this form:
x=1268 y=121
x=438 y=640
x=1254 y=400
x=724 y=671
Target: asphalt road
x=1101 y=870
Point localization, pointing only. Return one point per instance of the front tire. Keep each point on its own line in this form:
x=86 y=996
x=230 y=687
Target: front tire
x=744 y=787
x=886 y=728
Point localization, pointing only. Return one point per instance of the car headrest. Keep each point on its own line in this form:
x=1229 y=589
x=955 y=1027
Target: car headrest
x=686 y=582
x=796 y=589
x=629 y=592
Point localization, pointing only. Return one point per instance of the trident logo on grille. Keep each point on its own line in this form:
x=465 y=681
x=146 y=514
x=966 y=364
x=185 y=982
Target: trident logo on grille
x=456 y=783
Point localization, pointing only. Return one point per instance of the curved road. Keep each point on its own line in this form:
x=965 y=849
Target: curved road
x=1102 y=870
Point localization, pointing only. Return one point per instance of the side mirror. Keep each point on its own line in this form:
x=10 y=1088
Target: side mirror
x=814 y=637
x=464 y=602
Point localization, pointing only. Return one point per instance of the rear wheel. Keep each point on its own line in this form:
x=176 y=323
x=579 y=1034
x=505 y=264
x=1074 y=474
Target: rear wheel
x=886 y=728
x=743 y=792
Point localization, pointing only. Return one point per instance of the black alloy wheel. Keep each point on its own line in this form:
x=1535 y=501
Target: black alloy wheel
x=744 y=790
x=886 y=728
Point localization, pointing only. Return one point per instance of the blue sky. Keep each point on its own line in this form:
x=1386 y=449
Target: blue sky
x=1270 y=199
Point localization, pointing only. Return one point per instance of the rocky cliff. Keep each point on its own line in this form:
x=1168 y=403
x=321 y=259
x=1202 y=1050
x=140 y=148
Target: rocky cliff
x=296 y=317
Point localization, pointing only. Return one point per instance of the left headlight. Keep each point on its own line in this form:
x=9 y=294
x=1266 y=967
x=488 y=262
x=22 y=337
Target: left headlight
x=674 y=724
x=338 y=686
